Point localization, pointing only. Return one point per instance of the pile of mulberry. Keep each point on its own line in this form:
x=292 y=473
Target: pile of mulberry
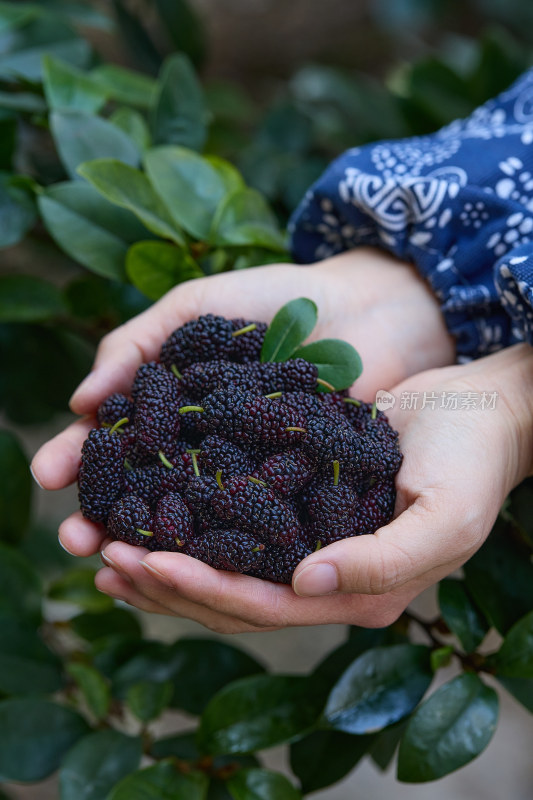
x=246 y=466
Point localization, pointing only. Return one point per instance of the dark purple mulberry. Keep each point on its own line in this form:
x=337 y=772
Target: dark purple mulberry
x=250 y=420
x=330 y=441
x=114 y=408
x=294 y=375
x=255 y=507
x=101 y=474
x=278 y=563
x=203 y=339
x=130 y=521
x=201 y=379
x=218 y=453
x=287 y=472
x=232 y=550
x=246 y=347
x=157 y=419
x=376 y=507
x=173 y=523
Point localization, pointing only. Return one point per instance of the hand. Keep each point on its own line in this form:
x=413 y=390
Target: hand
x=459 y=466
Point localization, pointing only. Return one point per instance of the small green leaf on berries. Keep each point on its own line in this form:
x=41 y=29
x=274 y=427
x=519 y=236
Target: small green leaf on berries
x=290 y=327
x=338 y=362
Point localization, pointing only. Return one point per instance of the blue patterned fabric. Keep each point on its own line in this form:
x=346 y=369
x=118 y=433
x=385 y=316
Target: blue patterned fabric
x=457 y=203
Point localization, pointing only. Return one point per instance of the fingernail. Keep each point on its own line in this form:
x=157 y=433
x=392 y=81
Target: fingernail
x=316 y=580
x=35 y=478
x=107 y=561
x=155 y=572
x=65 y=548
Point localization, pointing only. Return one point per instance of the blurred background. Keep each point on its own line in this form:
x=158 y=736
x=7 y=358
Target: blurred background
x=287 y=87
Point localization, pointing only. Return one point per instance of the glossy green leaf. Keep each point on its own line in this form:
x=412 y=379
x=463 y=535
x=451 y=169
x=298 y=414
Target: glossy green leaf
x=82 y=137
x=36 y=734
x=230 y=175
x=89 y=228
x=93 y=625
x=337 y=661
x=43 y=34
x=179 y=114
x=77 y=586
x=380 y=687
x=26 y=664
x=129 y=188
x=338 y=362
x=261 y=784
x=258 y=712
x=520 y=688
x=499 y=577
x=147 y=699
x=97 y=763
x=452 y=727
x=68 y=88
x=385 y=745
x=184 y=28
x=325 y=757
x=156 y=267
x=134 y=125
x=461 y=615
x=132 y=28
x=22 y=101
x=20 y=588
x=94 y=688
x=17 y=212
x=28 y=299
x=15 y=488
x=189 y=664
x=161 y=782
x=441 y=657
x=291 y=325
x=14 y=15
x=188 y=184
x=110 y=653
x=182 y=745
x=514 y=659
x=245 y=218
x=125 y=85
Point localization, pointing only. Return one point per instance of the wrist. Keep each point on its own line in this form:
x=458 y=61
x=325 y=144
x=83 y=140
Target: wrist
x=400 y=303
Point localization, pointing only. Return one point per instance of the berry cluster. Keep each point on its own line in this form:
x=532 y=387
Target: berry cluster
x=243 y=465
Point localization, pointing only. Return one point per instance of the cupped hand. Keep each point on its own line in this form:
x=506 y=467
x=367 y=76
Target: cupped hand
x=468 y=442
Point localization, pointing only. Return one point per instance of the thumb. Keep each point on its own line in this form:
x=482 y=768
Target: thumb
x=420 y=540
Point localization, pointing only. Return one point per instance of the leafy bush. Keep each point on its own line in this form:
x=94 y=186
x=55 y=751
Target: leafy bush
x=97 y=160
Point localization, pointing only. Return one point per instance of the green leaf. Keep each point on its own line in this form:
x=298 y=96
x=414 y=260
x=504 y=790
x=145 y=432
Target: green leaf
x=81 y=137
x=500 y=577
x=22 y=101
x=230 y=175
x=188 y=184
x=461 y=615
x=22 y=50
x=26 y=664
x=136 y=38
x=182 y=745
x=338 y=362
x=380 y=687
x=520 y=508
x=325 y=757
x=94 y=688
x=189 y=664
x=20 y=588
x=520 y=688
x=15 y=488
x=450 y=728
x=125 y=85
x=261 y=784
x=386 y=743
x=129 y=188
x=291 y=325
x=245 y=218
x=134 y=125
x=90 y=229
x=147 y=700
x=92 y=626
x=68 y=88
x=36 y=734
x=96 y=763
x=161 y=782
x=258 y=712
x=28 y=299
x=77 y=586
x=441 y=657
x=110 y=653
x=17 y=212
x=514 y=659
x=337 y=661
x=13 y=16
x=179 y=114
x=155 y=267
x=184 y=28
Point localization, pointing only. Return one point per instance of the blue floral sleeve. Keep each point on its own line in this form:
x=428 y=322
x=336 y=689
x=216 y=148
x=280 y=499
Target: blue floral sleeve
x=457 y=203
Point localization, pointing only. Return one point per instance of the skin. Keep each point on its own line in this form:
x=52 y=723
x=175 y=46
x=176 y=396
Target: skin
x=450 y=486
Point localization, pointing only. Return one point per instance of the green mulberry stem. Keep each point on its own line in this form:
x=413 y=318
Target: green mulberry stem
x=247 y=328
x=118 y=425
x=165 y=460
x=328 y=385
x=185 y=409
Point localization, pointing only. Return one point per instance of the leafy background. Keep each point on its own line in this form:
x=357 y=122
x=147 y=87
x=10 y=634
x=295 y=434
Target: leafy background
x=109 y=113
